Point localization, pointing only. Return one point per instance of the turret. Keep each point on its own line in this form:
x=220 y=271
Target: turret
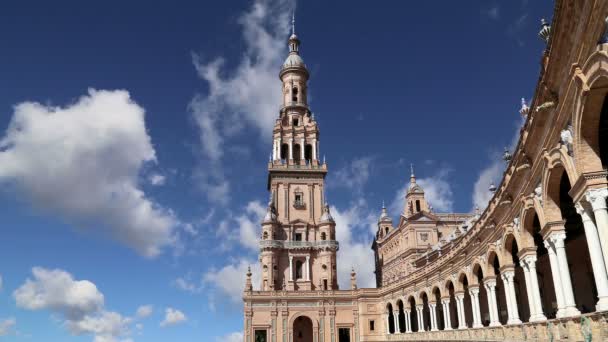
x=414 y=199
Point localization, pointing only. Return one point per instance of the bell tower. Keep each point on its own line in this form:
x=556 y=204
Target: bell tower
x=414 y=199
x=298 y=246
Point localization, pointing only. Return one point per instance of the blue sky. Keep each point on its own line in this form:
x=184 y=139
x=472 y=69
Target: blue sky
x=134 y=139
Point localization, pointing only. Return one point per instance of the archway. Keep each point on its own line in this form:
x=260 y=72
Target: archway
x=391 y=318
x=426 y=312
x=401 y=317
x=579 y=262
x=501 y=299
x=603 y=134
x=439 y=308
x=468 y=308
x=453 y=312
x=519 y=282
x=591 y=128
x=297 y=153
x=413 y=314
x=308 y=152
x=484 y=311
x=302 y=329
x=284 y=152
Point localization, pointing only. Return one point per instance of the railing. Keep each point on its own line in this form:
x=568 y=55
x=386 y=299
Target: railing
x=299 y=244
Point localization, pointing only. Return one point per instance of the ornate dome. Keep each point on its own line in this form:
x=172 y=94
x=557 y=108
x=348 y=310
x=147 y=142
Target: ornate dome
x=384 y=218
x=293 y=60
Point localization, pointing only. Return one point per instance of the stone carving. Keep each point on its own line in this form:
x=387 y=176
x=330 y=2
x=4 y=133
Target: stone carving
x=566 y=138
x=516 y=223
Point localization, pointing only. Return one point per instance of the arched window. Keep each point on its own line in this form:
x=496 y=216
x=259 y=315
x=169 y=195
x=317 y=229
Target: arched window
x=294 y=94
x=265 y=236
x=298 y=269
x=417 y=205
x=284 y=151
x=386 y=230
x=308 y=152
x=323 y=236
x=297 y=152
x=603 y=133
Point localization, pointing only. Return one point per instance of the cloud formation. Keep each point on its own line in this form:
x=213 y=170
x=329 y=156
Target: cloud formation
x=6 y=325
x=250 y=95
x=144 y=311
x=78 y=302
x=354 y=175
x=72 y=161
x=173 y=317
x=229 y=280
x=232 y=337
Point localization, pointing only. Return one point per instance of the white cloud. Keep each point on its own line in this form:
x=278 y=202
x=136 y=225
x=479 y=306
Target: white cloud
x=492 y=12
x=7 y=325
x=437 y=191
x=232 y=337
x=354 y=252
x=144 y=311
x=173 y=317
x=157 y=179
x=79 y=302
x=354 y=175
x=72 y=161
x=250 y=95
x=230 y=280
x=249 y=225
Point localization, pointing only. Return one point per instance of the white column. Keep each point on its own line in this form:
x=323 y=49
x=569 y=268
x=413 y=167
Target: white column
x=396 y=319
x=460 y=310
x=534 y=300
x=274 y=149
x=290 y=268
x=557 y=283
x=388 y=324
x=318 y=149
x=307 y=267
x=408 y=322
x=490 y=285
x=474 y=293
x=447 y=322
x=512 y=310
x=597 y=198
x=433 y=311
x=302 y=148
x=557 y=240
x=597 y=260
x=420 y=317
x=314 y=149
x=291 y=148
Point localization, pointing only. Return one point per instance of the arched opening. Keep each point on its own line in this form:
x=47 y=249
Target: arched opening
x=426 y=312
x=401 y=317
x=299 y=269
x=302 y=329
x=391 y=319
x=294 y=94
x=297 y=153
x=519 y=282
x=603 y=134
x=579 y=262
x=265 y=236
x=452 y=306
x=501 y=299
x=323 y=236
x=417 y=205
x=543 y=268
x=484 y=311
x=386 y=229
x=308 y=152
x=284 y=151
x=413 y=314
x=439 y=309
x=468 y=308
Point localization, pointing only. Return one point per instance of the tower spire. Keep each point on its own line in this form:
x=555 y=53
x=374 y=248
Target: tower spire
x=293 y=22
x=412 y=175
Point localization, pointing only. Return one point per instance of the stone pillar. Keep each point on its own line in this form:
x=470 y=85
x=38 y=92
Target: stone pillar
x=512 y=310
x=318 y=149
x=460 y=310
x=596 y=256
x=597 y=198
x=290 y=148
x=534 y=300
x=302 y=148
x=314 y=149
x=474 y=293
x=291 y=268
x=388 y=324
x=419 y=309
x=408 y=321
x=433 y=311
x=274 y=149
x=447 y=321
x=490 y=285
x=556 y=243
x=396 y=320
x=308 y=268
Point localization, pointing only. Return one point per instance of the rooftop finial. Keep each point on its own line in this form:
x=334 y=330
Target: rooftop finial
x=412 y=170
x=293 y=22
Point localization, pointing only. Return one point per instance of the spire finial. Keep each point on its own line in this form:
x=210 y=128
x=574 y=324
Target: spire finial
x=383 y=206
x=293 y=22
x=412 y=170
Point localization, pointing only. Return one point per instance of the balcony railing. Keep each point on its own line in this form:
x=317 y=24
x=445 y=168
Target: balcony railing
x=299 y=244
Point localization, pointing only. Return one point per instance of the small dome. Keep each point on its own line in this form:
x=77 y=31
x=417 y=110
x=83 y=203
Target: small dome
x=326 y=217
x=384 y=218
x=293 y=60
x=414 y=188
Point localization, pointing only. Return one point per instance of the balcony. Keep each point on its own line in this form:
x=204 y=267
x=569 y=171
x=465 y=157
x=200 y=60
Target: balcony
x=299 y=244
